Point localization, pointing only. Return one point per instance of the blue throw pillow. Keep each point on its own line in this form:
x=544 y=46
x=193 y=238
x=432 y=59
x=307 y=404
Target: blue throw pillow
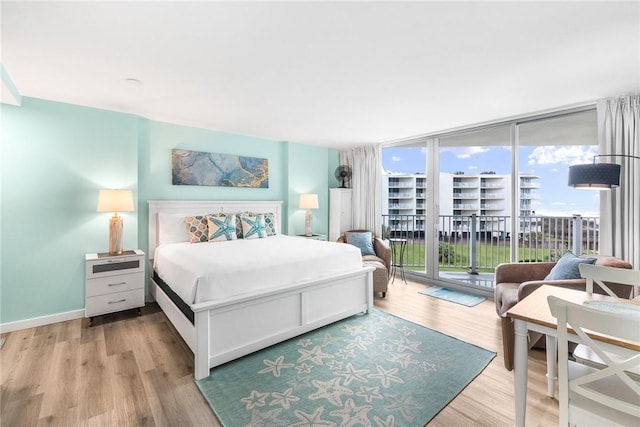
x=567 y=267
x=363 y=240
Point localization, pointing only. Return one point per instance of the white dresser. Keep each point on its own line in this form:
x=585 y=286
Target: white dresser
x=113 y=282
x=339 y=212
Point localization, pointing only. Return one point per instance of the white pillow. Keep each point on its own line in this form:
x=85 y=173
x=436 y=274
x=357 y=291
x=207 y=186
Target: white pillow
x=171 y=228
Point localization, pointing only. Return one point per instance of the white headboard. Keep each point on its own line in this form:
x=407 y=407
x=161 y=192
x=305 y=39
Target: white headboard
x=203 y=208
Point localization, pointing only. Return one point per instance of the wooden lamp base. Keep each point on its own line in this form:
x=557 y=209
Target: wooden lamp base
x=115 y=235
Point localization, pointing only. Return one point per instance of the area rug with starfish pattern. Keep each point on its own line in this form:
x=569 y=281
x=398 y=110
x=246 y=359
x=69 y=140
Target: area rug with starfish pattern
x=368 y=370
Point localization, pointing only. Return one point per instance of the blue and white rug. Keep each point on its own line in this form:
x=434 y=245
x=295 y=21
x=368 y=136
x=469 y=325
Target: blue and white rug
x=468 y=300
x=368 y=370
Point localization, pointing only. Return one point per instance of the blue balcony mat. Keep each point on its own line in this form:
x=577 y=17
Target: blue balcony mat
x=453 y=296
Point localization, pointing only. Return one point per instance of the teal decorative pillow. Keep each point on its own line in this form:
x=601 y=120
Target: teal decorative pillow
x=198 y=228
x=361 y=239
x=253 y=227
x=239 y=216
x=270 y=223
x=567 y=267
x=222 y=227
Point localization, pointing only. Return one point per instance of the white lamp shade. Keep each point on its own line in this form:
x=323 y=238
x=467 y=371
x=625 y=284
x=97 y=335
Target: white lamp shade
x=115 y=201
x=308 y=201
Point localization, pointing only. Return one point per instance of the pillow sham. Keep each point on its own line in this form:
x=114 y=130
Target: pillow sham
x=567 y=267
x=239 y=216
x=253 y=227
x=198 y=228
x=270 y=223
x=361 y=239
x=221 y=227
x=171 y=228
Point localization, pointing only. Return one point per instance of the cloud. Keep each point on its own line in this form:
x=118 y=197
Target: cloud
x=473 y=167
x=396 y=159
x=464 y=152
x=569 y=154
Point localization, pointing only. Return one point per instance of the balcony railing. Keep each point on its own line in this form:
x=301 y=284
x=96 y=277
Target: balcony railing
x=476 y=243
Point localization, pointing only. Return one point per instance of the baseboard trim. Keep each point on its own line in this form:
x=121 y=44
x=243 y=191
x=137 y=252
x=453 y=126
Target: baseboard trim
x=40 y=321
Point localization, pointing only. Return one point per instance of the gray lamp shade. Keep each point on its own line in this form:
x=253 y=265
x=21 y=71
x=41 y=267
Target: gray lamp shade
x=597 y=176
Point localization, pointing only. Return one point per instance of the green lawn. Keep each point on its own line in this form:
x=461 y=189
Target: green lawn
x=455 y=257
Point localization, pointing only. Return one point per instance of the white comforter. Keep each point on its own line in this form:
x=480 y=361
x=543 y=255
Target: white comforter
x=200 y=272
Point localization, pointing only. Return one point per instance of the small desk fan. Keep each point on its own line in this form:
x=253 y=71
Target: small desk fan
x=343 y=175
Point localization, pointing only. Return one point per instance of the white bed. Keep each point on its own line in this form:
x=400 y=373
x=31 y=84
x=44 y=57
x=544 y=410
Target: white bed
x=232 y=322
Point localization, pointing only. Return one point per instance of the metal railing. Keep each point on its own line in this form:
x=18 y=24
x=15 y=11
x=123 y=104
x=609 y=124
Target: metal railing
x=476 y=243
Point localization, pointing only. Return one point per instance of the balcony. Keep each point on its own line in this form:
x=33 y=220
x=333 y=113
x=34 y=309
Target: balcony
x=400 y=195
x=400 y=184
x=492 y=206
x=401 y=206
x=497 y=195
x=533 y=185
x=475 y=244
x=465 y=206
x=525 y=196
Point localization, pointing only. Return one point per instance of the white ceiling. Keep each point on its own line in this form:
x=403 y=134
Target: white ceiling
x=335 y=74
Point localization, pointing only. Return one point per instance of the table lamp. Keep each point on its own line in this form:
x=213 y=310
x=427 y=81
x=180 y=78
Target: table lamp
x=308 y=202
x=115 y=201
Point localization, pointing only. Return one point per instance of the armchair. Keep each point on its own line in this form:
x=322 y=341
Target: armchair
x=515 y=281
x=381 y=261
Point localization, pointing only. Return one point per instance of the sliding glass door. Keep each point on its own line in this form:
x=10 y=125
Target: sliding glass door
x=475 y=210
x=468 y=200
x=404 y=204
x=555 y=218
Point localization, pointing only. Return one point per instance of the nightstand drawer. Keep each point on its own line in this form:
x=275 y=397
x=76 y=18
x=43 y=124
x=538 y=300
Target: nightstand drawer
x=117 y=301
x=104 y=266
x=111 y=284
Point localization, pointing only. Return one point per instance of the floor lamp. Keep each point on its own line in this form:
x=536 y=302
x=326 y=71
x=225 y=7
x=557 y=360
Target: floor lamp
x=597 y=176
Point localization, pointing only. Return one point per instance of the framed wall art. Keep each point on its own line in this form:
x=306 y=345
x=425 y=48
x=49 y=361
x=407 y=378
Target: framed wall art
x=220 y=170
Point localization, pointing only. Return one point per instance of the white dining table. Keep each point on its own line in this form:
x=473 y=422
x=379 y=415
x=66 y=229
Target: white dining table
x=533 y=314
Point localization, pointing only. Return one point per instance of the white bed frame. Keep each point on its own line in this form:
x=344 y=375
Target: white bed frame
x=228 y=329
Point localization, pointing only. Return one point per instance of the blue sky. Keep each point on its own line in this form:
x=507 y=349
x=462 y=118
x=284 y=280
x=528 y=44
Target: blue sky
x=550 y=163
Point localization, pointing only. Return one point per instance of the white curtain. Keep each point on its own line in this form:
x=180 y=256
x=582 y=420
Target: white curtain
x=619 y=133
x=366 y=184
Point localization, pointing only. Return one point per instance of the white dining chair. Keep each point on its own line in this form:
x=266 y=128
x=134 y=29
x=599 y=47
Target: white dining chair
x=590 y=396
x=598 y=276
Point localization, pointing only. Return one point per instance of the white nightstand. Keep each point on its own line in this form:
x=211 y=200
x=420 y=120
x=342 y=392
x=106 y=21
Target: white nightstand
x=314 y=236
x=113 y=283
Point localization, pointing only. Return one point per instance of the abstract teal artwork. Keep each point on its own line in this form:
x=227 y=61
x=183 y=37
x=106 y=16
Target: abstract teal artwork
x=220 y=170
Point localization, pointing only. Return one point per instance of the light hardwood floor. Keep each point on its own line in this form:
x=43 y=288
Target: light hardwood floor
x=135 y=370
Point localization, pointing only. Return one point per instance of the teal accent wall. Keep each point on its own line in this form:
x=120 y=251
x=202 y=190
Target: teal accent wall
x=156 y=140
x=55 y=158
x=307 y=174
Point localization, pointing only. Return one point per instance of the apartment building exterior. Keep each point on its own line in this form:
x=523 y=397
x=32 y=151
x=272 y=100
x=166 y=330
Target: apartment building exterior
x=461 y=195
